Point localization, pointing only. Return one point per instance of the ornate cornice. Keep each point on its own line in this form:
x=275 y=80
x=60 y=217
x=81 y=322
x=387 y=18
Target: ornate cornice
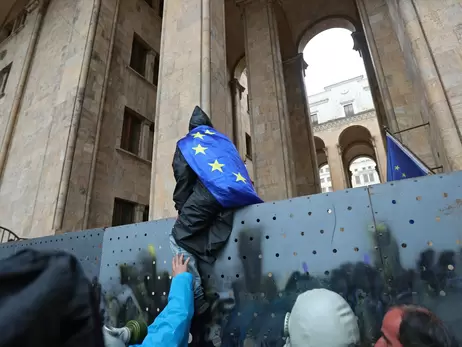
x=336 y=123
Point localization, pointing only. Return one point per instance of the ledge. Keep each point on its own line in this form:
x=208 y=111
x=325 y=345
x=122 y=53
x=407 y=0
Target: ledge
x=136 y=73
x=133 y=155
x=344 y=120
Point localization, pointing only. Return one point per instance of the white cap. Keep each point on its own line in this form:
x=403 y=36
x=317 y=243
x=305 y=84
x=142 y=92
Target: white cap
x=321 y=317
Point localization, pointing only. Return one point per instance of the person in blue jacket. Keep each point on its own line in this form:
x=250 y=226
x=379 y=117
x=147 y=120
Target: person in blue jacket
x=171 y=327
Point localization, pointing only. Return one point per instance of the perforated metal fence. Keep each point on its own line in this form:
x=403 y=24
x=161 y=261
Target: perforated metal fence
x=378 y=246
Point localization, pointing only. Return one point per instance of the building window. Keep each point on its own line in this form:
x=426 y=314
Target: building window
x=363 y=168
x=13 y=26
x=146 y=213
x=139 y=55
x=314 y=118
x=328 y=179
x=4 y=74
x=366 y=178
x=156 y=70
x=248 y=146
x=329 y=189
x=131 y=132
x=324 y=189
x=371 y=177
x=369 y=167
x=150 y=141
x=322 y=180
x=349 y=111
x=161 y=8
x=321 y=171
x=358 y=180
x=327 y=169
x=124 y=212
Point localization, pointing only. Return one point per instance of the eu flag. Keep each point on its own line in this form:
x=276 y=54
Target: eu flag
x=401 y=162
x=217 y=163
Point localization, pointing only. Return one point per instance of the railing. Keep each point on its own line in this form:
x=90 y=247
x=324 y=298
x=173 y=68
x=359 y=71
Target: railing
x=6 y=235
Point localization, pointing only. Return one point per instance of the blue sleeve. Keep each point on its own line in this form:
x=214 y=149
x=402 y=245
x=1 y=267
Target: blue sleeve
x=171 y=327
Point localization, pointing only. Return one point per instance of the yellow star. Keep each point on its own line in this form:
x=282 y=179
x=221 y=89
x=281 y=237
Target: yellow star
x=198 y=135
x=216 y=166
x=208 y=132
x=239 y=177
x=403 y=175
x=396 y=167
x=199 y=149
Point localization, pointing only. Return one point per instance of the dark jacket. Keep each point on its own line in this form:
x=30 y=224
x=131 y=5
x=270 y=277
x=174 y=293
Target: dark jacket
x=46 y=300
x=203 y=225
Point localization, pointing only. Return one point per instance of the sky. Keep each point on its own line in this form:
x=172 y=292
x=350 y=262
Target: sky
x=331 y=59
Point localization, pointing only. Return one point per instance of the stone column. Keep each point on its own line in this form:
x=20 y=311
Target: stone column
x=441 y=115
x=337 y=173
x=360 y=45
x=272 y=157
x=192 y=72
x=381 y=167
x=239 y=135
x=144 y=140
x=301 y=134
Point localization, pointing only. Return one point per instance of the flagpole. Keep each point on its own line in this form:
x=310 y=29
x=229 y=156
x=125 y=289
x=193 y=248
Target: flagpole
x=430 y=171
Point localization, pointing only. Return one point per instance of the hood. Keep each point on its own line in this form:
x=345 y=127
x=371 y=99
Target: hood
x=198 y=118
x=321 y=317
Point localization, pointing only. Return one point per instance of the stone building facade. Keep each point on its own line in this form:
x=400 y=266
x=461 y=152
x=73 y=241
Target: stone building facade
x=89 y=88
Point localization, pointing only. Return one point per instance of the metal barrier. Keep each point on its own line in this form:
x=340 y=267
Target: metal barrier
x=6 y=235
x=384 y=245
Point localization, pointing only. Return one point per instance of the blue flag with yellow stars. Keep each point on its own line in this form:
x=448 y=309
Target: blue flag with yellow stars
x=402 y=163
x=217 y=163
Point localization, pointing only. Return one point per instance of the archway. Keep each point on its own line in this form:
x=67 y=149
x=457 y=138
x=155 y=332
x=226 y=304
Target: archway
x=363 y=172
x=356 y=142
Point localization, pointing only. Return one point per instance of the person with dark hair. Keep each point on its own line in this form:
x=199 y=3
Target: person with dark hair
x=211 y=180
x=413 y=326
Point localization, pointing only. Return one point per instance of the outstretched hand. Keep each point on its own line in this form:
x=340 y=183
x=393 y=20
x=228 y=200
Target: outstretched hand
x=179 y=265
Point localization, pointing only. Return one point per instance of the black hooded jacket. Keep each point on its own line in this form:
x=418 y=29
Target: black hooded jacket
x=46 y=300
x=203 y=226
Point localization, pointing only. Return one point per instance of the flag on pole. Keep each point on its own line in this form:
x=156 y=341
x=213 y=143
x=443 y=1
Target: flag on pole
x=401 y=162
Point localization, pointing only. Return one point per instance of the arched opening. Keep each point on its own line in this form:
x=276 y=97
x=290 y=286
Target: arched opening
x=363 y=172
x=356 y=143
x=323 y=166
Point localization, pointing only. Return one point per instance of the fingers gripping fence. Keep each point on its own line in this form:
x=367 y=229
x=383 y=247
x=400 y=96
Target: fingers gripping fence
x=385 y=245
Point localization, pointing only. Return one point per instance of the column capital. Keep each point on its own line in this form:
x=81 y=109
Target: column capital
x=360 y=43
x=299 y=60
x=236 y=86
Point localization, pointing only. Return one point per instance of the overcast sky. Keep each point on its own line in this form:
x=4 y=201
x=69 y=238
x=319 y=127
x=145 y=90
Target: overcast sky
x=331 y=59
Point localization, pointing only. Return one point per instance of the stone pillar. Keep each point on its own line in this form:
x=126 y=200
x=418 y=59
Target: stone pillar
x=337 y=173
x=272 y=157
x=239 y=135
x=192 y=72
x=360 y=45
x=381 y=168
x=144 y=140
x=441 y=115
x=301 y=134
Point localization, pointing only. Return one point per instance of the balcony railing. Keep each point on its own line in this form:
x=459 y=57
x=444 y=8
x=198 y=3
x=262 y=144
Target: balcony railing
x=6 y=235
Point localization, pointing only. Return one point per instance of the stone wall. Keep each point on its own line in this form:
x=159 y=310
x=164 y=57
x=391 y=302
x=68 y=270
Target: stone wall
x=32 y=175
x=120 y=174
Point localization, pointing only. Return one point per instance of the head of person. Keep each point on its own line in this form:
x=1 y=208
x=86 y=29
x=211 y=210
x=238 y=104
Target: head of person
x=198 y=118
x=321 y=317
x=413 y=326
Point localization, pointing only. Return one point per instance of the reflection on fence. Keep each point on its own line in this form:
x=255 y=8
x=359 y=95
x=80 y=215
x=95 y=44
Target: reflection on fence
x=6 y=235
